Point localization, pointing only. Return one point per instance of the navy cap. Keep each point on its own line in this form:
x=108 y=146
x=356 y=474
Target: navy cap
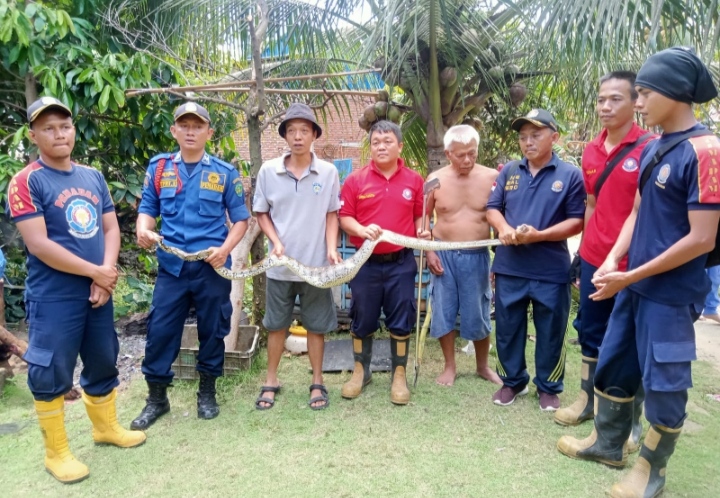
x=298 y=110
x=538 y=117
x=43 y=104
x=194 y=109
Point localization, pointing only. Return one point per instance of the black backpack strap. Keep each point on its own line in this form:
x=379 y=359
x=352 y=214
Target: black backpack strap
x=664 y=149
x=610 y=166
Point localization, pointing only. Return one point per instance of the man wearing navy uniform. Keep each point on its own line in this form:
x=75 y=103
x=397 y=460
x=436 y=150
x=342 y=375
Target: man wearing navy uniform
x=650 y=338
x=618 y=146
x=67 y=220
x=194 y=194
x=383 y=194
x=535 y=206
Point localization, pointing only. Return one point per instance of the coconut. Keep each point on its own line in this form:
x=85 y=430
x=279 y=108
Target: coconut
x=512 y=69
x=383 y=96
x=496 y=73
x=448 y=76
x=364 y=124
x=369 y=114
x=497 y=48
x=394 y=114
x=381 y=109
x=518 y=91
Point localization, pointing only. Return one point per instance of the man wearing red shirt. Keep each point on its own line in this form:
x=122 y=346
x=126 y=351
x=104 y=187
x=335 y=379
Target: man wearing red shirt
x=604 y=217
x=385 y=194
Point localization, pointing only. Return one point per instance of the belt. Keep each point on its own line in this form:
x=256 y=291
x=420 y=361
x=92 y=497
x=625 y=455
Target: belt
x=389 y=257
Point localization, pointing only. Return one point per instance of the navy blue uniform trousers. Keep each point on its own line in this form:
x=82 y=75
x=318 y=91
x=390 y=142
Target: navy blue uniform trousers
x=198 y=284
x=388 y=288
x=593 y=316
x=653 y=344
x=61 y=330
x=551 y=307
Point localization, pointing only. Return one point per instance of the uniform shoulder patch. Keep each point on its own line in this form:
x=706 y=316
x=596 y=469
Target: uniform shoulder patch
x=222 y=163
x=164 y=155
x=707 y=151
x=19 y=198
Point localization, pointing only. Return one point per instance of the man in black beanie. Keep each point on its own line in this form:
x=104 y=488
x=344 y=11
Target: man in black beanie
x=650 y=337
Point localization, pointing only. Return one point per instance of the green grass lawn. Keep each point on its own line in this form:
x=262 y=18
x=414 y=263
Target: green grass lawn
x=447 y=442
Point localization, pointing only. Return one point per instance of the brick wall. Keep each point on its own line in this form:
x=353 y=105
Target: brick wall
x=341 y=136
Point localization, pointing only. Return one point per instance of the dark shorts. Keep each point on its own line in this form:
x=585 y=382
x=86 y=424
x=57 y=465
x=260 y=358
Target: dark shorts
x=388 y=288
x=317 y=307
x=464 y=288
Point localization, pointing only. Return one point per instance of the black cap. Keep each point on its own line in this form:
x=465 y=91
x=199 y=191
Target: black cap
x=194 y=109
x=43 y=104
x=299 y=111
x=678 y=74
x=538 y=117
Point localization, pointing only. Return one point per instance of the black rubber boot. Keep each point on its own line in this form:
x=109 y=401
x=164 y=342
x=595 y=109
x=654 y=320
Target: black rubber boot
x=583 y=407
x=608 y=442
x=207 y=406
x=399 y=392
x=647 y=477
x=637 y=428
x=156 y=405
x=361 y=377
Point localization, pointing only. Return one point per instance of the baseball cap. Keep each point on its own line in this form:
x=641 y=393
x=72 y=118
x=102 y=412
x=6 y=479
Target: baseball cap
x=538 y=117
x=43 y=104
x=298 y=110
x=194 y=109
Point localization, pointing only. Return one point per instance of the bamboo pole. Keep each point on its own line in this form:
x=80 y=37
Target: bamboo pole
x=223 y=86
x=282 y=91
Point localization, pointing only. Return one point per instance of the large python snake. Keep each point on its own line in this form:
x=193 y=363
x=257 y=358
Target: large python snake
x=329 y=276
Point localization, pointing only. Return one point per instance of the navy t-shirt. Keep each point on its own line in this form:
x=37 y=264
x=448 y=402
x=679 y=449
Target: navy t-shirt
x=554 y=195
x=686 y=179
x=72 y=203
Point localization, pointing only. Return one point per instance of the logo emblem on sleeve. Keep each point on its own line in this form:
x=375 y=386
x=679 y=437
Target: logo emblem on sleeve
x=663 y=174
x=407 y=194
x=630 y=165
x=557 y=186
x=82 y=219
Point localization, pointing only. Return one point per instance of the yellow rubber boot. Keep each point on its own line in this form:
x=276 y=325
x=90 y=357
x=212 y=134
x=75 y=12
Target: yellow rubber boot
x=106 y=429
x=399 y=392
x=58 y=460
x=362 y=376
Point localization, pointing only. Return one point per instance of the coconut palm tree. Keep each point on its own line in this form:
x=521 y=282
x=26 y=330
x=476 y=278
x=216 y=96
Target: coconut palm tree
x=444 y=61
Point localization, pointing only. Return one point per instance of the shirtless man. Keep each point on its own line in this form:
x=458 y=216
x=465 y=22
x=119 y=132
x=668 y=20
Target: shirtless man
x=460 y=280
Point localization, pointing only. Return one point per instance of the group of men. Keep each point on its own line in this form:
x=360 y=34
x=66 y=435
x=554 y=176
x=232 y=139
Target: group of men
x=650 y=255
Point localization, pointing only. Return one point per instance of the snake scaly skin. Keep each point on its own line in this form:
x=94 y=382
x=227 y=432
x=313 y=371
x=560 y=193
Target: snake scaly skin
x=330 y=276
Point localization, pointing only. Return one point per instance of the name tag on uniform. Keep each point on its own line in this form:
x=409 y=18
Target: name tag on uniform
x=168 y=183
x=212 y=181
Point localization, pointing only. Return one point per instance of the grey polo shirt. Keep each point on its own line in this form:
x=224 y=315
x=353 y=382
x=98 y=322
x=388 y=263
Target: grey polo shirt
x=298 y=208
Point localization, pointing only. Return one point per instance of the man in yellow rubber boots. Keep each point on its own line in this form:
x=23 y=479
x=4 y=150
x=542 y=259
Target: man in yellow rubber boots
x=67 y=220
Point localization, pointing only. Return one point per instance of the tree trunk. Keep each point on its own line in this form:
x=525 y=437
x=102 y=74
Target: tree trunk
x=239 y=260
x=436 y=158
x=30 y=97
x=257 y=252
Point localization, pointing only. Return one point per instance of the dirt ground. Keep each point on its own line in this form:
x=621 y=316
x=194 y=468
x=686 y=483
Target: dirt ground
x=707 y=338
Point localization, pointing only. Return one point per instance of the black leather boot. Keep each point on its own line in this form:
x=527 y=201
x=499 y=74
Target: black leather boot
x=608 y=442
x=207 y=406
x=156 y=405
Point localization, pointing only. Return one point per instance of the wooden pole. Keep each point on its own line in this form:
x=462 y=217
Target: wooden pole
x=282 y=91
x=226 y=85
